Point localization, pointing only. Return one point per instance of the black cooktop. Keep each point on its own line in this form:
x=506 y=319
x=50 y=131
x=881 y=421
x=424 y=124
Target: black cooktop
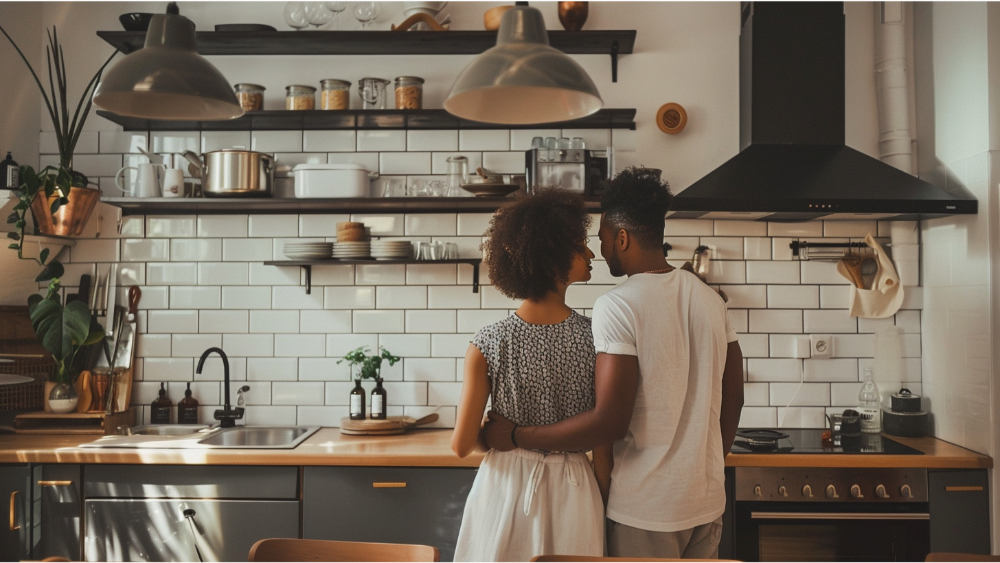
x=810 y=441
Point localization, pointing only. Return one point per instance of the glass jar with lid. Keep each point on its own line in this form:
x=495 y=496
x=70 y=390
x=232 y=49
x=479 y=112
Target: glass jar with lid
x=298 y=97
x=250 y=96
x=409 y=92
x=335 y=94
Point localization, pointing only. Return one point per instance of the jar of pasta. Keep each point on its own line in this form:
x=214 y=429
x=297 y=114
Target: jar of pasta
x=250 y=96
x=409 y=92
x=335 y=94
x=300 y=97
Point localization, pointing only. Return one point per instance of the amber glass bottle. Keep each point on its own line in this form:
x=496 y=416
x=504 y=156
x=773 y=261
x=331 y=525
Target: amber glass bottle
x=162 y=406
x=187 y=408
x=378 y=400
x=357 y=401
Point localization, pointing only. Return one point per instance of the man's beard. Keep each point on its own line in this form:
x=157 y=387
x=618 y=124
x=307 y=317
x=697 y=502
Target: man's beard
x=615 y=264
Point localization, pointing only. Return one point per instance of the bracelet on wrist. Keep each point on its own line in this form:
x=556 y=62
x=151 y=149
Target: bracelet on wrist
x=513 y=439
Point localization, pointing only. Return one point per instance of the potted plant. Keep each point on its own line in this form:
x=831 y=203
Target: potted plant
x=364 y=366
x=69 y=183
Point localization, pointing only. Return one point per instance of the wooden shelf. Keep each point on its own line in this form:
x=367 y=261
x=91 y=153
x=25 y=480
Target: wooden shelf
x=600 y=42
x=273 y=206
x=288 y=120
x=307 y=265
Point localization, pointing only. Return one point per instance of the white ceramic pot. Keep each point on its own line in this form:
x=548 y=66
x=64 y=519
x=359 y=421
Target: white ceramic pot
x=331 y=180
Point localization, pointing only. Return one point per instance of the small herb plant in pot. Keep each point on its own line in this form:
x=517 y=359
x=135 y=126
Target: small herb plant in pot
x=364 y=366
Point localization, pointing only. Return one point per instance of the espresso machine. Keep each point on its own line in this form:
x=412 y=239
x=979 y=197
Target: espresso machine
x=579 y=171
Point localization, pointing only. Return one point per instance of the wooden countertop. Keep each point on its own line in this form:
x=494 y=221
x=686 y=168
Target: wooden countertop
x=426 y=448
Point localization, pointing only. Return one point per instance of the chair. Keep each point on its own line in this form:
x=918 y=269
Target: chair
x=284 y=549
x=945 y=556
x=592 y=558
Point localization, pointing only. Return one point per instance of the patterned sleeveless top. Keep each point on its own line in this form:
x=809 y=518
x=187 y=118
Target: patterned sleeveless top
x=540 y=374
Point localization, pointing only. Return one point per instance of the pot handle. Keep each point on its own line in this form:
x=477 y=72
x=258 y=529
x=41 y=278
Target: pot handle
x=196 y=162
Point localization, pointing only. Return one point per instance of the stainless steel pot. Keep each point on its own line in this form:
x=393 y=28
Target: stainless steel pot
x=234 y=173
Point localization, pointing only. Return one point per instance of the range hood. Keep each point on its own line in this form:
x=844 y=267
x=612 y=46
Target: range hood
x=793 y=164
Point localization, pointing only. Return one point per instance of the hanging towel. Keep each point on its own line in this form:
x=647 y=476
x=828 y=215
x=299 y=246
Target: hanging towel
x=886 y=295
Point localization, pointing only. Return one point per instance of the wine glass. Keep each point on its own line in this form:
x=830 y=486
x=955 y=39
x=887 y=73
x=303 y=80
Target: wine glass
x=366 y=13
x=317 y=14
x=336 y=8
x=295 y=15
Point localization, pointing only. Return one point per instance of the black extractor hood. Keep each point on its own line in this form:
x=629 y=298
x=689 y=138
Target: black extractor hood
x=793 y=164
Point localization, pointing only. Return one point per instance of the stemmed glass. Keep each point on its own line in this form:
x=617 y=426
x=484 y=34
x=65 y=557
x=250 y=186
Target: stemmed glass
x=295 y=15
x=366 y=13
x=317 y=14
x=336 y=8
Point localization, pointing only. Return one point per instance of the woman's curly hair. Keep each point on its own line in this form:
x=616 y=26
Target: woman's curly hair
x=530 y=245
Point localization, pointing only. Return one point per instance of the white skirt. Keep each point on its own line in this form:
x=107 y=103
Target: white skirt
x=524 y=503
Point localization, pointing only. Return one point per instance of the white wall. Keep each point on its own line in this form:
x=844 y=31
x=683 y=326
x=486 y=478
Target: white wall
x=18 y=92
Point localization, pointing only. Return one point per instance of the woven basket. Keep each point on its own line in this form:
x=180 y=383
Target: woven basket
x=29 y=358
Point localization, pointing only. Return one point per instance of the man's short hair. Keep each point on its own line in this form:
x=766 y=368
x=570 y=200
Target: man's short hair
x=637 y=201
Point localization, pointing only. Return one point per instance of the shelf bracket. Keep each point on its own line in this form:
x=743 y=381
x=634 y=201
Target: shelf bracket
x=614 y=61
x=308 y=269
x=475 y=277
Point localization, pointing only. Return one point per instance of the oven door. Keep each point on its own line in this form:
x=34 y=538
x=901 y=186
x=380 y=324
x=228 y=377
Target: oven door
x=778 y=531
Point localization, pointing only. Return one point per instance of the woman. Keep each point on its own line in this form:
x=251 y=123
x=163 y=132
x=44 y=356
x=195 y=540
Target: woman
x=538 y=364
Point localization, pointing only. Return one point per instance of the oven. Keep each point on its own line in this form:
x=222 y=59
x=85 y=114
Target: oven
x=829 y=514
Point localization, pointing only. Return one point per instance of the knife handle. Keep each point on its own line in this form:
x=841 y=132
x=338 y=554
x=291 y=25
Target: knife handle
x=134 y=293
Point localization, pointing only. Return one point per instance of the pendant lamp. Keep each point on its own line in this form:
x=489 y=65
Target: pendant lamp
x=523 y=80
x=167 y=79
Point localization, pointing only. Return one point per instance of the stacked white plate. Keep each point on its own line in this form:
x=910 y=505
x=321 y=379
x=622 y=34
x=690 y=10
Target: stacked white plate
x=308 y=250
x=352 y=250
x=392 y=249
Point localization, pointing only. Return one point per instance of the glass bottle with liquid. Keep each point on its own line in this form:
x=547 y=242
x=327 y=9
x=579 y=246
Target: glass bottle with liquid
x=161 y=407
x=357 y=401
x=869 y=404
x=378 y=400
x=187 y=408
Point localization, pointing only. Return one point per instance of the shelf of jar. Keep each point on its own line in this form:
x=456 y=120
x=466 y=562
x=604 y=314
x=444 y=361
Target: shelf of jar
x=274 y=206
x=306 y=266
x=325 y=120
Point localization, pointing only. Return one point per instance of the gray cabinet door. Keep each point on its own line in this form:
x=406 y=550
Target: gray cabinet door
x=157 y=530
x=57 y=504
x=960 y=511
x=419 y=505
x=15 y=531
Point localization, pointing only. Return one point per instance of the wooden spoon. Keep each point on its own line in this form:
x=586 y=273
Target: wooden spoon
x=83 y=390
x=853 y=266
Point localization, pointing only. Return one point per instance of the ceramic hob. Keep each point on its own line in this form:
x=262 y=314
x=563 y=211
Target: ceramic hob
x=810 y=441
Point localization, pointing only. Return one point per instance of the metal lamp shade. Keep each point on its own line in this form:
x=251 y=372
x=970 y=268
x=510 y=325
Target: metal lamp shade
x=167 y=79
x=523 y=80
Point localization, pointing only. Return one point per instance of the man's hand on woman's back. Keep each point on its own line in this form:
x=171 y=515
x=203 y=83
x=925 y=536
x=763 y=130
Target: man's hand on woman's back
x=496 y=432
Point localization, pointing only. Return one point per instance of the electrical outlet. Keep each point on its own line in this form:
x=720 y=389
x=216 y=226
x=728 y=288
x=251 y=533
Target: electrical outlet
x=821 y=345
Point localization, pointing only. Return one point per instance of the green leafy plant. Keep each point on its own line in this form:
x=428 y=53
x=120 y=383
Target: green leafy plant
x=48 y=183
x=67 y=131
x=62 y=330
x=370 y=366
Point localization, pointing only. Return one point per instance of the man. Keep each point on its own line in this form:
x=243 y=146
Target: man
x=669 y=389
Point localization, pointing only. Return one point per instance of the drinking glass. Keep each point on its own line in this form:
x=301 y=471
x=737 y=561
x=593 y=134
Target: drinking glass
x=336 y=8
x=317 y=14
x=537 y=142
x=395 y=187
x=416 y=188
x=436 y=250
x=435 y=188
x=366 y=13
x=577 y=143
x=295 y=15
x=451 y=251
x=423 y=251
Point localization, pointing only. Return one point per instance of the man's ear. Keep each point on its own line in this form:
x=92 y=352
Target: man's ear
x=622 y=240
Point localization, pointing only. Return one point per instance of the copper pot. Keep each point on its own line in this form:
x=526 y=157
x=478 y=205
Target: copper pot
x=71 y=217
x=572 y=15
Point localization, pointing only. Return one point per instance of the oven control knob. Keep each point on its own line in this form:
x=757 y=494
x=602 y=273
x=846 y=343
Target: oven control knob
x=757 y=491
x=807 y=491
x=783 y=491
x=880 y=492
x=905 y=491
x=856 y=491
x=831 y=492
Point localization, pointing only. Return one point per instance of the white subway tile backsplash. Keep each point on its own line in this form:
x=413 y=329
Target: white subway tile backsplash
x=329 y=141
x=337 y=345
x=120 y=142
x=100 y=251
x=170 y=226
x=450 y=345
x=193 y=345
x=175 y=141
x=407 y=345
x=828 y=321
x=430 y=224
x=167 y=369
x=297 y=393
x=300 y=345
x=381 y=140
x=577 y=296
x=182 y=297
x=154 y=297
x=276 y=141
x=196 y=250
x=213 y=369
x=430 y=274
x=795 y=394
x=758 y=417
x=349 y=297
x=756 y=248
x=761 y=369
x=409 y=297
x=222 y=321
x=430 y=321
x=688 y=227
x=908 y=321
x=153 y=346
x=520 y=139
x=493 y=299
x=834 y=296
x=171 y=322
x=772 y=272
x=221 y=140
x=754 y=345
x=378 y=321
x=825 y=273
x=261 y=274
x=740 y=229
x=271 y=369
x=483 y=140
x=405 y=163
x=176 y=273
x=223 y=273
x=856 y=229
x=324 y=369
x=781 y=321
x=231 y=226
x=386 y=274
x=246 y=250
x=320 y=225
x=274 y=322
x=333 y=275
x=386 y=225
x=295 y=297
x=853 y=346
x=429 y=369
x=237 y=297
x=792 y=297
x=367 y=159
x=504 y=162
x=812 y=229
x=292 y=159
x=724 y=248
x=429 y=140
x=249 y=345
x=746 y=296
x=727 y=272
x=439 y=161
x=273 y=226
x=98 y=164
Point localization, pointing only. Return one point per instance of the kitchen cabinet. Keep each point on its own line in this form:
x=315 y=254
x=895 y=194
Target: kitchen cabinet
x=960 y=511
x=386 y=504
x=187 y=512
x=15 y=533
x=57 y=502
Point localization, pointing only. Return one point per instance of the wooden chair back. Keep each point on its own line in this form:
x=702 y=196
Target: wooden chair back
x=945 y=556
x=285 y=549
x=591 y=558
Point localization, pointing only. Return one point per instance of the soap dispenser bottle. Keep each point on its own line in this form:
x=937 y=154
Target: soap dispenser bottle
x=187 y=408
x=162 y=406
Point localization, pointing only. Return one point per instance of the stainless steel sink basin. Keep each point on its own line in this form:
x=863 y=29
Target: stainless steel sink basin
x=200 y=437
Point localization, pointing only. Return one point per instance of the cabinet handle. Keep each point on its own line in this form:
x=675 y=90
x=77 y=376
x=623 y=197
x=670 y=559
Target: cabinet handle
x=13 y=511
x=389 y=485
x=55 y=483
x=962 y=489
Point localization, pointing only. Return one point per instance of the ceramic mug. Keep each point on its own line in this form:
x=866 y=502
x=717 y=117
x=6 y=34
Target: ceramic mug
x=147 y=184
x=173 y=183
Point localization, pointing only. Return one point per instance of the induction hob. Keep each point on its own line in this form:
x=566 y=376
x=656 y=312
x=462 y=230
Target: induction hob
x=810 y=441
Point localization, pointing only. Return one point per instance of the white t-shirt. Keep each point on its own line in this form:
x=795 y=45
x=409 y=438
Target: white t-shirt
x=669 y=468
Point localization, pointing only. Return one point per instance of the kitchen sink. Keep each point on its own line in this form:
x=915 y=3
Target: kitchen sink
x=176 y=436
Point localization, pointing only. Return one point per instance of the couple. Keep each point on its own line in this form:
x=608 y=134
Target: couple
x=653 y=385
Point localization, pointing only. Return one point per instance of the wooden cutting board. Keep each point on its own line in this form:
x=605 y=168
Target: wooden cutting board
x=383 y=427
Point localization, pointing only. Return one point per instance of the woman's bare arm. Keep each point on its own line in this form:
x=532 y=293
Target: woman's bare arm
x=475 y=392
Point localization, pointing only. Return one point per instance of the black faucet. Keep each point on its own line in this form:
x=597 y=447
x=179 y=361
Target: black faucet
x=227 y=416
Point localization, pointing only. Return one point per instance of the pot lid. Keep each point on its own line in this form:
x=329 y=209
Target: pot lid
x=350 y=166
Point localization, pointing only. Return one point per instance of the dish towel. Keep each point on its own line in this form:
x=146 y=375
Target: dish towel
x=886 y=295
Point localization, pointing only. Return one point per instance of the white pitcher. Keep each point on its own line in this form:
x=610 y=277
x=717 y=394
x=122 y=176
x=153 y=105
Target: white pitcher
x=147 y=182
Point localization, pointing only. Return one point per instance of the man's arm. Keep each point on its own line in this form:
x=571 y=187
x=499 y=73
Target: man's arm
x=616 y=382
x=732 y=395
x=604 y=462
